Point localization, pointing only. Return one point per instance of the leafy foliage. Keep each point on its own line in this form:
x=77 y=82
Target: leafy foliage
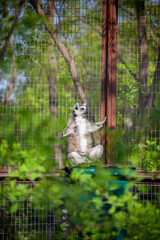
x=97 y=206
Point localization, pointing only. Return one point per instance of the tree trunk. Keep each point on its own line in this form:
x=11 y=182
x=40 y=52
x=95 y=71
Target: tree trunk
x=13 y=77
x=156 y=82
x=52 y=80
x=52 y=68
x=143 y=56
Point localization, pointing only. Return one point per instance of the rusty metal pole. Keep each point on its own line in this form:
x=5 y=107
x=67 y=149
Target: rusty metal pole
x=108 y=79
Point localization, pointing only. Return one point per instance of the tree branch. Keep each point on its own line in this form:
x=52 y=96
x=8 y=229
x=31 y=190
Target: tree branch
x=35 y=61
x=4 y=48
x=52 y=69
x=133 y=15
x=100 y=33
x=127 y=10
x=64 y=51
x=69 y=50
x=130 y=71
x=83 y=19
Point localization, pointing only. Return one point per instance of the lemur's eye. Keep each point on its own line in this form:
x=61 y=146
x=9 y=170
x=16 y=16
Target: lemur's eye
x=82 y=109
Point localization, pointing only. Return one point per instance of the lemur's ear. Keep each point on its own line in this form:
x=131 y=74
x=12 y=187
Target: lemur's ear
x=76 y=106
x=84 y=104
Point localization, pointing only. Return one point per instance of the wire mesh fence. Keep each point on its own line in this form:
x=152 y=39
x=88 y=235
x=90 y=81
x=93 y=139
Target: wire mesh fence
x=44 y=83
x=138 y=79
x=148 y=192
x=49 y=66
x=37 y=74
x=27 y=222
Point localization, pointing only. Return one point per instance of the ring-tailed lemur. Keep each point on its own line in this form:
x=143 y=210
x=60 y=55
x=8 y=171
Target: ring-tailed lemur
x=78 y=130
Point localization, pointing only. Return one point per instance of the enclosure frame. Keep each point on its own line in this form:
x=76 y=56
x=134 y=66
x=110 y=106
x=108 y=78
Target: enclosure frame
x=108 y=81
x=108 y=99
x=108 y=76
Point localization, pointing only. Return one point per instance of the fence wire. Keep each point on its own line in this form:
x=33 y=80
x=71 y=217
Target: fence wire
x=43 y=84
x=148 y=192
x=36 y=83
x=138 y=78
x=36 y=76
x=27 y=222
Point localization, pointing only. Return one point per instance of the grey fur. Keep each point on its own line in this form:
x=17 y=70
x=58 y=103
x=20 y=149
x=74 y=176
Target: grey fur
x=79 y=142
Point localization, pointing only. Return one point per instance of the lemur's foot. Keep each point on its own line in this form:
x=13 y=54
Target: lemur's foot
x=76 y=158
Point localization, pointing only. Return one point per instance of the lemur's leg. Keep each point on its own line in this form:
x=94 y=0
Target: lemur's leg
x=95 y=152
x=76 y=158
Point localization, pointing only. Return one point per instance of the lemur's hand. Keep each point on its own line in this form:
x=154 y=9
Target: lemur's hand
x=105 y=120
x=60 y=135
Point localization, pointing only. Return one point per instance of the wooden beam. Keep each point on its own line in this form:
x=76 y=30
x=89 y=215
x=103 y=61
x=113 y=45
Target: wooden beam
x=104 y=75
x=108 y=72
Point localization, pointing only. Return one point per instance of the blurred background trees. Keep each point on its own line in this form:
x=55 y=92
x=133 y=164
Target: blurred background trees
x=50 y=58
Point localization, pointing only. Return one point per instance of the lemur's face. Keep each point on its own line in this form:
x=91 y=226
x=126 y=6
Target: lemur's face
x=79 y=110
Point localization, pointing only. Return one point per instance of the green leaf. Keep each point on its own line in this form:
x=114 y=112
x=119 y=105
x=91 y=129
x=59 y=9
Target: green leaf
x=112 y=210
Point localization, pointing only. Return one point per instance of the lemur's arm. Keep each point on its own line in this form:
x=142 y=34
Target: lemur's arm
x=101 y=123
x=93 y=127
x=68 y=130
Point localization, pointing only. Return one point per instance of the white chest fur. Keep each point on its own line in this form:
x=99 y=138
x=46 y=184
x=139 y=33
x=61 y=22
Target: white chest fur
x=81 y=125
x=81 y=132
